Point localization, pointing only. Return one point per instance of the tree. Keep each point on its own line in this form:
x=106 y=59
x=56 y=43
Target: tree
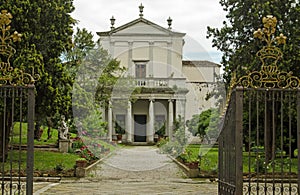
x=235 y=38
x=95 y=80
x=82 y=44
x=107 y=81
x=46 y=27
x=205 y=125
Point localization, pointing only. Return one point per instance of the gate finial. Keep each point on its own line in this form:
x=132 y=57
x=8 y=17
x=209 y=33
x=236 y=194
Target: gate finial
x=8 y=74
x=269 y=76
x=269 y=55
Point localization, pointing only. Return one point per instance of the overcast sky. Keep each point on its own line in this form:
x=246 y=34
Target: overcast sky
x=189 y=16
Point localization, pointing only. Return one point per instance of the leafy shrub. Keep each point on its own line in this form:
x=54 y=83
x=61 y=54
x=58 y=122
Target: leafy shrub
x=59 y=167
x=175 y=145
x=162 y=142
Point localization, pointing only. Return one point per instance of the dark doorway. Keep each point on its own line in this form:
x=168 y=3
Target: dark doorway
x=140 y=128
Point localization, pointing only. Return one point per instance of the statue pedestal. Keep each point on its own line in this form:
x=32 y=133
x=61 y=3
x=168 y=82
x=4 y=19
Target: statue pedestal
x=63 y=145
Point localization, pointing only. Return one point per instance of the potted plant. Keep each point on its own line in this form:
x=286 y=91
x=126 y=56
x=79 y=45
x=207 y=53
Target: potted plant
x=119 y=131
x=161 y=131
x=189 y=160
x=192 y=164
x=81 y=162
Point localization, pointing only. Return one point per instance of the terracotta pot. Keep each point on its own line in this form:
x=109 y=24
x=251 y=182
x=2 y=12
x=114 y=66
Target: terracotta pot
x=192 y=165
x=81 y=163
x=119 y=137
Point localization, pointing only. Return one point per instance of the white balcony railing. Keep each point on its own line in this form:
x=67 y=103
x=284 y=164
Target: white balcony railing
x=160 y=82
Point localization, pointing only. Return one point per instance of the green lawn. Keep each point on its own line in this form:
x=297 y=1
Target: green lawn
x=20 y=130
x=250 y=164
x=43 y=160
x=46 y=160
x=208 y=157
x=209 y=161
x=49 y=160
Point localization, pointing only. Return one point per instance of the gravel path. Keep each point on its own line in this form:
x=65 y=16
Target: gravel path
x=139 y=163
x=135 y=171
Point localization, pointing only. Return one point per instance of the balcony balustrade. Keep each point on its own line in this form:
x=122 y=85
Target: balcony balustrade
x=160 y=82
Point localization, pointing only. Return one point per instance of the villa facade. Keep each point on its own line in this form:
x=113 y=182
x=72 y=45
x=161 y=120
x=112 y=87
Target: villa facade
x=159 y=86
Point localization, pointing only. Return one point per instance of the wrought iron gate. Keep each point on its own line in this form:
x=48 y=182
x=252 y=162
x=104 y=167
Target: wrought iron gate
x=259 y=143
x=260 y=137
x=15 y=128
x=17 y=102
x=230 y=147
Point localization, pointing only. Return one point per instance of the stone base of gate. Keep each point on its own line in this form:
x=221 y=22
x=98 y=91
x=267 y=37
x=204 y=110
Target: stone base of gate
x=64 y=145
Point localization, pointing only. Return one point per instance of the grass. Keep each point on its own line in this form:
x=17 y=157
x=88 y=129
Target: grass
x=43 y=160
x=20 y=130
x=49 y=160
x=209 y=161
x=278 y=165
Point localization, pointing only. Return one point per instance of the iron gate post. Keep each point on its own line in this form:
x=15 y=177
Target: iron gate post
x=30 y=141
x=298 y=135
x=239 y=141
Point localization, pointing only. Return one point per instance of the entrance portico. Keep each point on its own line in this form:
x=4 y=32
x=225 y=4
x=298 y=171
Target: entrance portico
x=142 y=115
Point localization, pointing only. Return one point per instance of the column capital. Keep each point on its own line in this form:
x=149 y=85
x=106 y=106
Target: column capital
x=151 y=99
x=110 y=103
x=170 y=100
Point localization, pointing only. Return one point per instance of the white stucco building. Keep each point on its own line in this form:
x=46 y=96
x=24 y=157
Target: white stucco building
x=158 y=85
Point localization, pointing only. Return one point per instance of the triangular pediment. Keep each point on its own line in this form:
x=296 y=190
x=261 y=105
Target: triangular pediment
x=140 y=26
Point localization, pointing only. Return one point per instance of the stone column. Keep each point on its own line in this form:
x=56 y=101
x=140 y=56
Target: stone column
x=151 y=45
x=150 y=132
x=178 y=109
x=169 y=59
x=183 y=109
x=129 y=122
x=110 y=121
x=170 y=126
x=131 y=68
x=112 y=48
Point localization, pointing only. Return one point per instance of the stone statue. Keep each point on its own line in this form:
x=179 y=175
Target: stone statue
x=63 y=129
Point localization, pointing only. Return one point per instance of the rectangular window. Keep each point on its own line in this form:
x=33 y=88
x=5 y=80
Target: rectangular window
x=140 y=70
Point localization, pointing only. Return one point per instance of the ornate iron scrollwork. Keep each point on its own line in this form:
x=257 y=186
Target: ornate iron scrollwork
x=8 y=74
x=269 y=76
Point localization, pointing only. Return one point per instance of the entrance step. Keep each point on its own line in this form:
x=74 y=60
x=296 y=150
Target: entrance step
x=141 y=144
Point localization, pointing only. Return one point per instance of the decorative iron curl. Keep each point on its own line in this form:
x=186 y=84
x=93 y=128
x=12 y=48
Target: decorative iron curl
x=269 y=76
x=262 y=188
x=259 y=79
x=252 y=80
x=8 y=74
